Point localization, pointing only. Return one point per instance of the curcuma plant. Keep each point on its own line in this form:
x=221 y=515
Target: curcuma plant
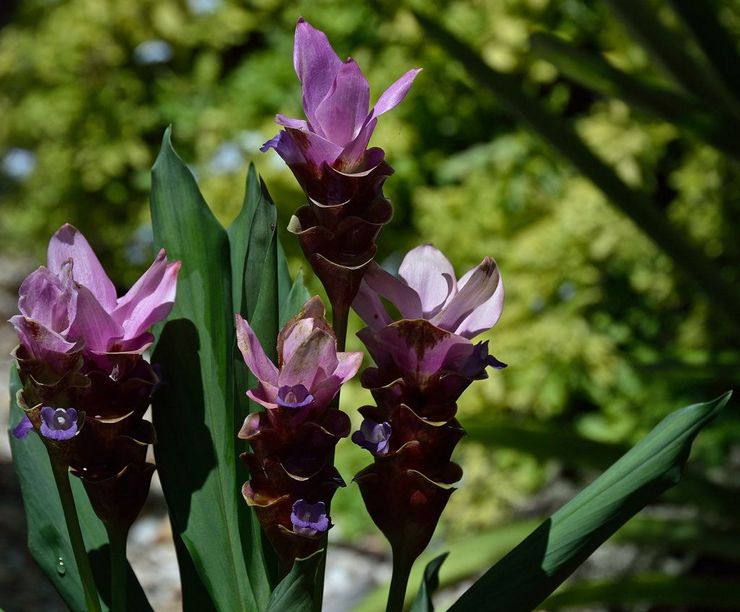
x=244 y=378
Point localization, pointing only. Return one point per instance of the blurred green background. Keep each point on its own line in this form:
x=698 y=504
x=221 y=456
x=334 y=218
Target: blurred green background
x=604 y=331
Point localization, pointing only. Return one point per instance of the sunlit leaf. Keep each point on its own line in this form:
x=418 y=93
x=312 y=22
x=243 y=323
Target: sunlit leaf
x=194 y=409
x=595 y=72
x=534 y=569
x=669 y=48
x=561 y=137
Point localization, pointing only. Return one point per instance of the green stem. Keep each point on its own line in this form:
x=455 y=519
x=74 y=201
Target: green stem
x=340 y=316
x=399 y=582
x=61 y=477
x=118 y=567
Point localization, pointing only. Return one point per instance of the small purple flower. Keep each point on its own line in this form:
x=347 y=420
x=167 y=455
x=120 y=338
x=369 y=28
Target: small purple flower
x=373 y=436
x=336 y=98
x=309 y=519
x=21 y=430
x=295 y=396
x=58 y=423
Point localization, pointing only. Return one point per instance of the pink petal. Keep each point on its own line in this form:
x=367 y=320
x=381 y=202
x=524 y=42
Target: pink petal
x=353 y=152
x=419 y=348
x=312 y=361
x=316 y=65
x=150 y=299
x=299 y=328
x=38 y=339
x=479 y=286
x=298 y=124
x=344 y=109
x=265 y=395
x=349 y=364
x=369 y=307
x=486 y=315
x=395 y=94
x=324 y=390
x=92 y=323
x=69 y=243
x=297 y=335
x=47 y=299
x=254 y=356
x=378 y=283
x=285 y=147
x=428 y=272
x=315 y=149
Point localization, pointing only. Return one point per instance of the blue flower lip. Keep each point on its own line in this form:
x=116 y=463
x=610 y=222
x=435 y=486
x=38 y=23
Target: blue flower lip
x=58 y=423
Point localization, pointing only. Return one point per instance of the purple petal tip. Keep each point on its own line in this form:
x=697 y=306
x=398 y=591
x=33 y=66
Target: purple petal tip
x=21 y=430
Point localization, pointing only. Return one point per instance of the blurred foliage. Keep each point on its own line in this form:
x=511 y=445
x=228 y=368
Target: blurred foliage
x=603 y=335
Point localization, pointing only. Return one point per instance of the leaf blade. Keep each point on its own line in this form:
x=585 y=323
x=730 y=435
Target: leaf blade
x=530 y=572
x=190 y=349
x=429 y=584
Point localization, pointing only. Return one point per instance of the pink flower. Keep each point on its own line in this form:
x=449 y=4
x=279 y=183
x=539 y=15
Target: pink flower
x=336 y=98
x=310 y=371
x=72 y=303
x=426 y=288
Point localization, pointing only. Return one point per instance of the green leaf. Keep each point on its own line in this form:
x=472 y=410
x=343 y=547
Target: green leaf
x=595 y=72
x=47 y=533
x=295 y=591
x=429 y=584
x=250 y=238
x=253 y=246
x=562 y=138
x=296 y=298
x=674 y=592
x=545 y=441
x=468 y=556
x=669 y=48
x=522 y=579
x=687 y=535
x=239 y=233
x=719 y=45
x=194 y=409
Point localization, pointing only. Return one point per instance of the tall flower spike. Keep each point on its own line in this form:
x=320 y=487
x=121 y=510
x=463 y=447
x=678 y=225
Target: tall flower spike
x=424 y=362
x=328 y=155
x=85 y=382
x=292 y=440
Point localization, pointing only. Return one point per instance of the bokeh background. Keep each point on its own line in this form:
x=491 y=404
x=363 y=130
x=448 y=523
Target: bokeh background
x=604 y=331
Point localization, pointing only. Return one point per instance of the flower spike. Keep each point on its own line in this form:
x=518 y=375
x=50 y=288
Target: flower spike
x=293 y=439
x=85 y=382
x=329 y=156
x=424 y=361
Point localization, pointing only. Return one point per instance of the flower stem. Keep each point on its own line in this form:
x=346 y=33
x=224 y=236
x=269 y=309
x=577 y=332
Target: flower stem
x=339 y=316
x=118 y=567
x=399 y=582
x=61 y=477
